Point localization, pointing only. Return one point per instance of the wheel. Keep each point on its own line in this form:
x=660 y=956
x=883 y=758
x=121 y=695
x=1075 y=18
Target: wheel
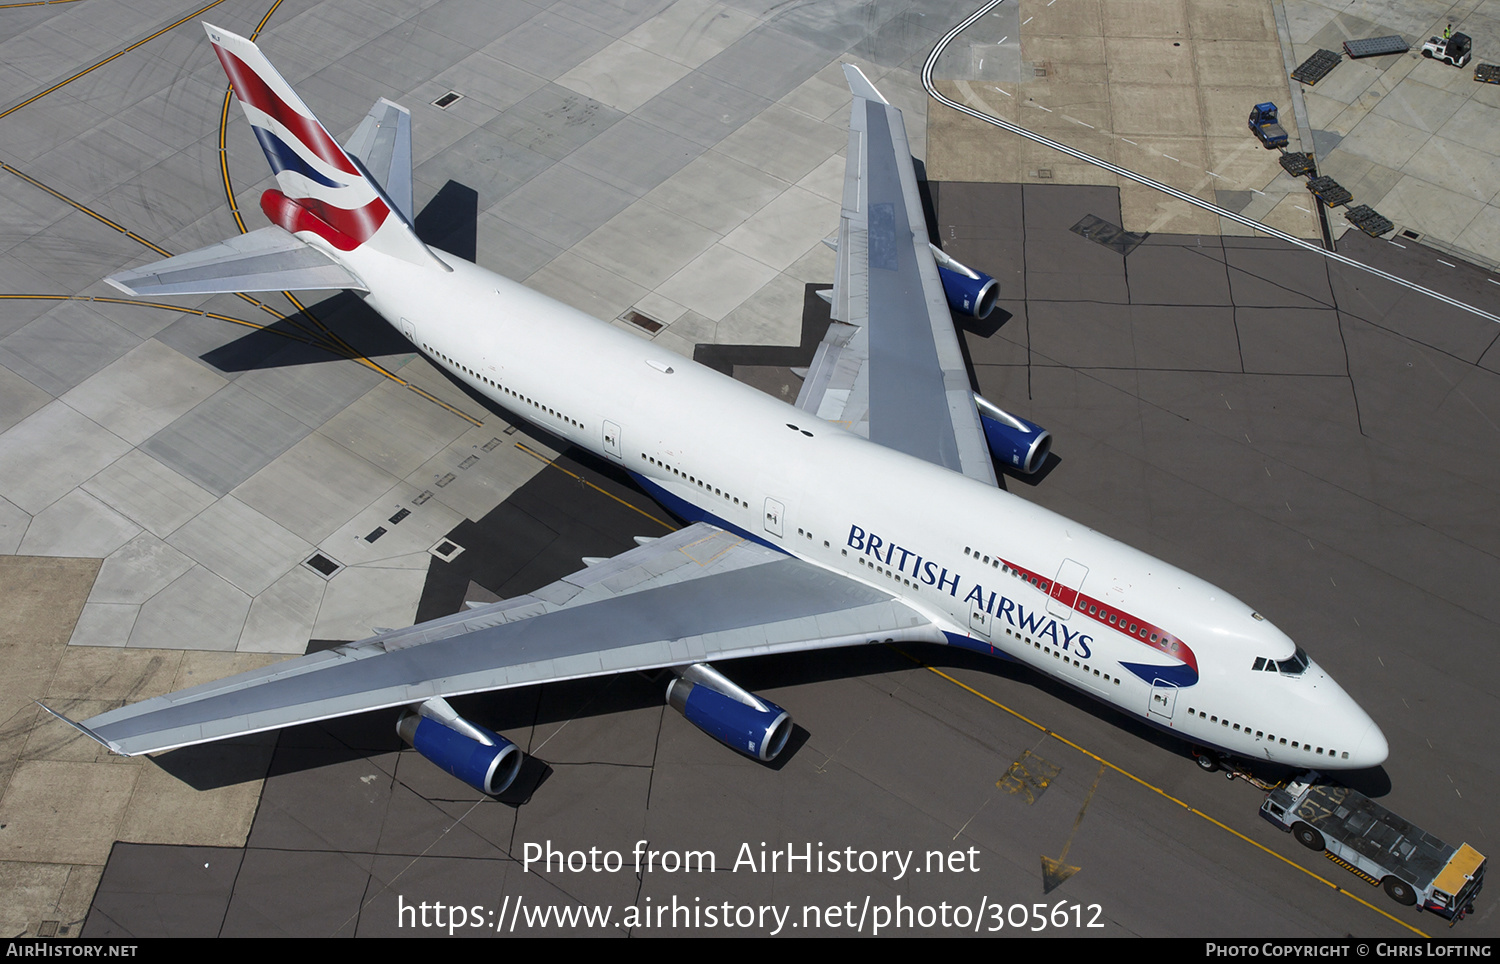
x=1308 y=837
x=1400 y=891
x=1427 y=54
x=1208 y=762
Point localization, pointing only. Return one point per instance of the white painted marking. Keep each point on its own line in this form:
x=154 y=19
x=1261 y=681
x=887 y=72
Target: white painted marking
x=1212 y=174
x=1047 y=109
x=1448 y=263
x=1026 y=21
x=1077 y=121
x=1171 y=158
x=1129 y=141
x=1261 y=193
x=1401 y=246
x=1301 y=208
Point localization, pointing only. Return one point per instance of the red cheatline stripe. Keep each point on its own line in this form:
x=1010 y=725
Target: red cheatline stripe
x=249 y=87
x=1165 y=642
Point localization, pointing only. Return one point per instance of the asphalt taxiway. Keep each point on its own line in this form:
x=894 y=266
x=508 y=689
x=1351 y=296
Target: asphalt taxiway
x=1310 y=439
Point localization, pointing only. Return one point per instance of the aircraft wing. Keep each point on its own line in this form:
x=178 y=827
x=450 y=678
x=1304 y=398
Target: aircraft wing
x=890 y=367
x=270 y=259
x=700 y=593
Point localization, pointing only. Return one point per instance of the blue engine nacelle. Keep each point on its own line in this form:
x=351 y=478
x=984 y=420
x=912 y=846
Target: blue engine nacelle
x=758 y=731
x=1013 y=440
x=969 y=292
x=488 y=769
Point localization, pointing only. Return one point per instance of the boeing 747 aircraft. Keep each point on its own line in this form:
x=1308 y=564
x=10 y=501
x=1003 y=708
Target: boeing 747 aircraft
x=866 y=512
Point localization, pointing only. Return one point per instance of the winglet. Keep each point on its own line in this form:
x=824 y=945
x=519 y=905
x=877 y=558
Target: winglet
x=860 y=85
x=111 y=747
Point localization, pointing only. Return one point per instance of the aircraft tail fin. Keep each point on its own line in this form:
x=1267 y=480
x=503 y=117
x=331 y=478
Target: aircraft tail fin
x=382 y=145
x=320 y=187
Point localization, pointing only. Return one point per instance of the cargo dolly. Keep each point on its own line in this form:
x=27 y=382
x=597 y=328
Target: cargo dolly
x=1329 y=191
x=1368 y=220
x=1316 y=67
x=1266 y=126
x=1376 y=46
x=1298 y=164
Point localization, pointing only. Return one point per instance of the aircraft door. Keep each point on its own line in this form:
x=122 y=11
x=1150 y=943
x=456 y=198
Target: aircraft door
x=1063 y=595
x=409 y=330
x=1163 y=699
x=612 y=439
x=979 y=620
x=775 y=511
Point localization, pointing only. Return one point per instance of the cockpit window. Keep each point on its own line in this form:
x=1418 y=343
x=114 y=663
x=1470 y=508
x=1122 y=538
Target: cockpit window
x=1295 y=666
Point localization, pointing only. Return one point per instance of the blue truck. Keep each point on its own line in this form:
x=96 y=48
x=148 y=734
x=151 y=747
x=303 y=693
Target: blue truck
x=1264 y=125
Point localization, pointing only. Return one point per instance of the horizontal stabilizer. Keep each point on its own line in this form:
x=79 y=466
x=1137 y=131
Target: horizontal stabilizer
x=266 y=260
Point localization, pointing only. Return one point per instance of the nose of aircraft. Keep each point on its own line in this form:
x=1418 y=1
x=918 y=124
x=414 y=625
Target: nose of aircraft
x=1351 y=725
x=1372 y=749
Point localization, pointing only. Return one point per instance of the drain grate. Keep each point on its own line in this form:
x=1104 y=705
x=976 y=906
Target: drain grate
x=322 y=565
x=448 y=100
x=446 y=550
x=643 y=322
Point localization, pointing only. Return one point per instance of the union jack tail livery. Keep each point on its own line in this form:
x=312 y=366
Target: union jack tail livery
x=322 y=189
x=329 y=200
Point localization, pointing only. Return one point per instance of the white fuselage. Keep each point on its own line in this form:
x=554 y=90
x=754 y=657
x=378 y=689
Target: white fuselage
x=972 y=558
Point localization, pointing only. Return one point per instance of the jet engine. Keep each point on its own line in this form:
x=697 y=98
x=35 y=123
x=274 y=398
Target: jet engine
x=735 y=717
x=1020 y=444
x=484 y=760
x=971 y=292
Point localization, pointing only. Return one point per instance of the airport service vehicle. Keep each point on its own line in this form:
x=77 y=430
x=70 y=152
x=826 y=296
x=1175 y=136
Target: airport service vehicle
x=869 y=511
x=1455 y=49
x=1360 y=835
x=1264 y=125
